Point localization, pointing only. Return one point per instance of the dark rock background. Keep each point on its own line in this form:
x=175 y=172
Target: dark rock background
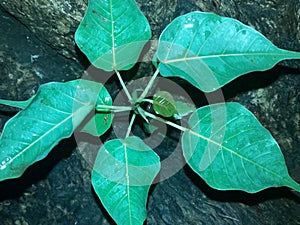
x=55 y=21
x=37 y=46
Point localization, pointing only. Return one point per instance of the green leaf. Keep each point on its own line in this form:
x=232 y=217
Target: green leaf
x=17 y=104
x=209 y=51
x=121 y=177
x=53 y=114
x=98 y=124
x=228 y=147
x=112 y=34
x=183 y=109
x=164 y=104
x=100 y=121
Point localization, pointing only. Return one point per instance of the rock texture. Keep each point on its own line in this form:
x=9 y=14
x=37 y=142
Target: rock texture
x=55 y=21
x=57 y=190
x=26 y=62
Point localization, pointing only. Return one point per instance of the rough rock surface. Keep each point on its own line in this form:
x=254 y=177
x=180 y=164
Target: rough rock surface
x=55 y=21
x=57 y=190
x=26 y=62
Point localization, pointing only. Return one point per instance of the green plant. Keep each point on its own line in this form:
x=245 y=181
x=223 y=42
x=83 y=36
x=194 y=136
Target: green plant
x=224 y=143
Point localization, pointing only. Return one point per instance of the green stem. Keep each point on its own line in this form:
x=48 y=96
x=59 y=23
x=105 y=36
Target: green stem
x=112 y=108
x=165 y=121
x=149 y=86
x=130 y=125
x=124 y=86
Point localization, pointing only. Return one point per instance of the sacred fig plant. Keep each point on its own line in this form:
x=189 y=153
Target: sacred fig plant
x=223 y=143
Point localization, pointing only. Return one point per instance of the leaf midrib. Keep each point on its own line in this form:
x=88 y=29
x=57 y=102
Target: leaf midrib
x=127 y=181
x=239 y=155
x=282 y=55
x=43 y=135
x=112 y=36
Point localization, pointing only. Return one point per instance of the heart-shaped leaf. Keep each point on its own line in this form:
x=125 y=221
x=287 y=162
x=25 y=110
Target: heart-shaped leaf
x=164 y=104
x=183 y=109
x=228 y=147
x=112 y=34
x=53 y=114
x=209 y=51
x=121 y=177
x=100 y=121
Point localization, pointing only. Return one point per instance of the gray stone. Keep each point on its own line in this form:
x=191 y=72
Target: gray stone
x=57 y=190
x=26 y=62
x=52 y=21
x=55 y=21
